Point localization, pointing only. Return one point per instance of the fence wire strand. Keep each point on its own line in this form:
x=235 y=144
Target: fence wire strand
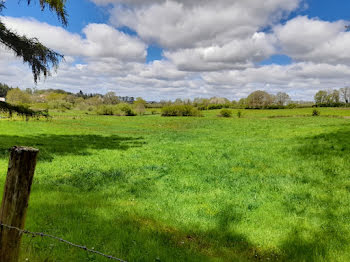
x=35 y=234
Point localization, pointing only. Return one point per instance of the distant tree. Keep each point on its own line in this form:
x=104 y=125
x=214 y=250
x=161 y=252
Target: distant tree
x=334 y=96
x=17 y=96
x=321 y=97
x=345 y=94
x=4 y=89
x=243 y=102
x=329 y=97
x=94 y=101
x=140 y=105
x=110 y=98
x=259 y=99
x=178 y=101
x=29 y=91
x=282 y=98
x=40 y=58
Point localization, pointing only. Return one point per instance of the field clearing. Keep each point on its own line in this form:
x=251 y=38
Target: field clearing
x=271 y=186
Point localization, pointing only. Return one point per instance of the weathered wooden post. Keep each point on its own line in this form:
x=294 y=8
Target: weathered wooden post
x=15 y=200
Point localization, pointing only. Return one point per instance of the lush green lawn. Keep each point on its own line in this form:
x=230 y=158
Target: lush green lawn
x=259 y=188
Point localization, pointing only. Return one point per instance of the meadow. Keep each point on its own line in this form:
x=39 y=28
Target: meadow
x=273 y=185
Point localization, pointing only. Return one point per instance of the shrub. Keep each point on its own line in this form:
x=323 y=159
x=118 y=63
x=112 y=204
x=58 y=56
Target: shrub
x=226 y=113
x=115 y=110
x=126 y=110
x=291 y=106
x=315 y=112
x=180 y=110
x=105 y=110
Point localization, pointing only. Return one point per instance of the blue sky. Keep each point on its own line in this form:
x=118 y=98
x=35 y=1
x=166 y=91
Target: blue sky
x=162 y=49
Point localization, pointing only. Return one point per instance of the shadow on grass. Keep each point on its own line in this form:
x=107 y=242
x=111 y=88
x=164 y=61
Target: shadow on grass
x=318 y=199
x=131 y=237
x=335 y=143
x=53 y=145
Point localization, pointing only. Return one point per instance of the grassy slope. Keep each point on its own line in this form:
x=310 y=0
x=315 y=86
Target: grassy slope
x=189 y=189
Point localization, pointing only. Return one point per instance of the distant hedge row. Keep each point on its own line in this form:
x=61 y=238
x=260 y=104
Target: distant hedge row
x=180 y=110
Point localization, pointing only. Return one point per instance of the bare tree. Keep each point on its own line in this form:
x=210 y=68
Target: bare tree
x=345 y=94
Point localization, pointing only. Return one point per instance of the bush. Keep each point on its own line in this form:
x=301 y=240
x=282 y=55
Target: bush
x=118 y=110
x=180 y=110
x=126 y=110
x=105 y=110
x=315 y=112
x=226 y=113
x=291 y=106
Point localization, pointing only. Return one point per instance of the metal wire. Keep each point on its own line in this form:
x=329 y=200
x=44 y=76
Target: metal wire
x=34 y=234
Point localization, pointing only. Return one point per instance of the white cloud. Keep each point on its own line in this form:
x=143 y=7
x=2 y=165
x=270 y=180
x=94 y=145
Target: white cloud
x=306 y=39
x=240 y=53
x=100 y=40
x=174 y=24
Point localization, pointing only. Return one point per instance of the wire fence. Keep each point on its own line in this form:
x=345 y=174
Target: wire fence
x=39 y=234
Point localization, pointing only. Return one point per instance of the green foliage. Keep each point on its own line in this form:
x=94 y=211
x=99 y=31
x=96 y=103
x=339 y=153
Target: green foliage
x=239 y=114
x=315 y=112
x=180 y=110
x=226 y=113
x=57 y=6
x=116 y=110
x=17 y=96
x=4 y=89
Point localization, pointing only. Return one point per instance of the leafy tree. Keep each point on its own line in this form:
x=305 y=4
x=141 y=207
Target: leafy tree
x=321 y=97
x=329 y=98
x=140 y=105
x=259 y=99
x=39 y=57
x=110 y=98
x=282 y=98
x=334 y=96
x=17 y=96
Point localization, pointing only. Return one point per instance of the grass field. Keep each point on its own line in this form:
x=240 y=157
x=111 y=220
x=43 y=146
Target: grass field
x=271 y=186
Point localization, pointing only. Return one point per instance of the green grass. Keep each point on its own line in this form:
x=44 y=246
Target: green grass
x=271 y=186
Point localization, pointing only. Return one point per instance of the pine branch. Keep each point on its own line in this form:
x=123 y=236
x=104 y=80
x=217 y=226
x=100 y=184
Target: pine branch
x=39 y=57
x=57 y=6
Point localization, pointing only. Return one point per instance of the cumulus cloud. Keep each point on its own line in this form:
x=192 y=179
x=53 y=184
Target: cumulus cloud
x=306 y=39
x=240 y=53
x=174 y=24
x=100 y=40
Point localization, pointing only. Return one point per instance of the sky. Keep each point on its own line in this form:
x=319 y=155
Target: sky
x=168 y=49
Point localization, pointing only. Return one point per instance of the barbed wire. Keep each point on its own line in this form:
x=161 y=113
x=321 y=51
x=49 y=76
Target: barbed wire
x=35 y=234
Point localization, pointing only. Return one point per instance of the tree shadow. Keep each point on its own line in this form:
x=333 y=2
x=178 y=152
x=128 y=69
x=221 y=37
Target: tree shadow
x=133 y=237
x=58 y=145
x=318 y=200
x=335 y=143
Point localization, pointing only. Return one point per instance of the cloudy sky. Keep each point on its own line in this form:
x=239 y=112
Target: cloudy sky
x=164 y=49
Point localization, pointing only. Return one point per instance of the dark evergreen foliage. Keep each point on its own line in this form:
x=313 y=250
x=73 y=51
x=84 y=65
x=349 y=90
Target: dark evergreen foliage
x=40 y=58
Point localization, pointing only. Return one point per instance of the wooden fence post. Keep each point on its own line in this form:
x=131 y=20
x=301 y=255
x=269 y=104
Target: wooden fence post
x=15 y=200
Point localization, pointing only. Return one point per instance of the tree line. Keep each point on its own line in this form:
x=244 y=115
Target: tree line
x=333 y=98
x=111 y=104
